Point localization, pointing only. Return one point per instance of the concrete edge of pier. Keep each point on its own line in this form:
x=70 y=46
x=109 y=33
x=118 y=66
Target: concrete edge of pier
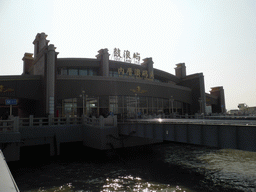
x=7 y=182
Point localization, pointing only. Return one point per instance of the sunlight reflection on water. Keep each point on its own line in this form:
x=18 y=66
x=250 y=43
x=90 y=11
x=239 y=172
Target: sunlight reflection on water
x=122 y=183
x=130 y=183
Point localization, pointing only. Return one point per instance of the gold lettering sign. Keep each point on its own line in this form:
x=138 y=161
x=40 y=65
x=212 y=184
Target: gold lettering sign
x=129 y=72
x=120 y=72
x=4 y=90
x=145 y=74
x=137 y=73
x=138 y=90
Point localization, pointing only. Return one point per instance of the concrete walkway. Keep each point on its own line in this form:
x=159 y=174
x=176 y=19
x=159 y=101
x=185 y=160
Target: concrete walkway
x=7 y=182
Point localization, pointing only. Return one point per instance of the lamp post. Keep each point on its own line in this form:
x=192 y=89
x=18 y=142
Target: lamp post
x=136 y=115
x=200 y=104
x=83 y=92
x=172 y=100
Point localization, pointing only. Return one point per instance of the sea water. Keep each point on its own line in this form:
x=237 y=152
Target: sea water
x=170 y=167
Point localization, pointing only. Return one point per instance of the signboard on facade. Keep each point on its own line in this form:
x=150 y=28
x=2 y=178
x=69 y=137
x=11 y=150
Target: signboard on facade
x=6 y=91
x=136 y=73
x=10 y=101
x=126 y=56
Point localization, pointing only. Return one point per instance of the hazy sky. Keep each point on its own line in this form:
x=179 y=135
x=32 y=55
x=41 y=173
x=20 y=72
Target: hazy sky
x=215 y=37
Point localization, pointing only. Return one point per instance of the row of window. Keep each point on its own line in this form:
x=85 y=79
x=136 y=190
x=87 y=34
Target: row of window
x=116 y=74
x=81 y=72
x=129 y=105
x=93 y=72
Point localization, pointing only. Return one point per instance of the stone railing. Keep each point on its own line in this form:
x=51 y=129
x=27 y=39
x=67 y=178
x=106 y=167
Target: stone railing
x=14 y=123
x=101 y=121
x=9 y=125
x=42 y=121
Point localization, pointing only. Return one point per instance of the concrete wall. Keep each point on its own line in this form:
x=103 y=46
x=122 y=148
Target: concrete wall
x=221 y=136
x=95 y=137
x=126 y=135
x=10 y=143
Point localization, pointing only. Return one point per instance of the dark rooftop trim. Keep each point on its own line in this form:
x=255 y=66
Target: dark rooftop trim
x=102 y=78
x=20 y=77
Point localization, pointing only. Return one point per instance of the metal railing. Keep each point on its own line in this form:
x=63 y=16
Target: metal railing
x=198 y=116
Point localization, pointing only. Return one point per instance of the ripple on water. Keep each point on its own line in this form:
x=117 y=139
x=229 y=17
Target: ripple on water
x=226 y=167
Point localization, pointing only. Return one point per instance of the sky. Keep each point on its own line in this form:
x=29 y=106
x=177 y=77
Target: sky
x=213 y=37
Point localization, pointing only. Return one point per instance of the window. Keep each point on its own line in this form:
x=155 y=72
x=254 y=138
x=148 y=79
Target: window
x=113 y=104
x=113 y=74
x=83 y=72
x=91 y=72
x=64 y=71
x=73 y=71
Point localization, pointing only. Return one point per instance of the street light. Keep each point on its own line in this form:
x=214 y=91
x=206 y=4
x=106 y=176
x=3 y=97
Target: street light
x=136 y=115
x=172 y=100
x=200 y=103
x=83 y=92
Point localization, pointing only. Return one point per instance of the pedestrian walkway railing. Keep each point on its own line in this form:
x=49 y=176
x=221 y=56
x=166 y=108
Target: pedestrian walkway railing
x=42 y=121
x=6 y=125
x=14 y=123
x=198 y=116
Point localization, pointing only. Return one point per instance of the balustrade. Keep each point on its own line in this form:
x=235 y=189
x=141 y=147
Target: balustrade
x=13 y=124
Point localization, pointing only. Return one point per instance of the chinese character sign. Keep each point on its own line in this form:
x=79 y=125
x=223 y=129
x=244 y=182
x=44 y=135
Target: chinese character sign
x=120 y=72
x=129 y=72
x=136 y=57
x=126 y=56
x=117 y=55
x=144 y=74
x=137 y=73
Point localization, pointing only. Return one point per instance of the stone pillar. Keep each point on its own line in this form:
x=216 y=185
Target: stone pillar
x=148 y=63
x=103 y=56
x=27 y=63
x=42 y=41
x=16 y=124
x=39 y=43
x=31 y=117
x=180 y=70
x=50 y=80
x=101 y=119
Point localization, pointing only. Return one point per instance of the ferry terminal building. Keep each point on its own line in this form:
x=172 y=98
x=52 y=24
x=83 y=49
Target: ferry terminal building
x=75 y=86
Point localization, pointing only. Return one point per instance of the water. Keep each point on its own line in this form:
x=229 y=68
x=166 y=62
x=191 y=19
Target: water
x=167 y=167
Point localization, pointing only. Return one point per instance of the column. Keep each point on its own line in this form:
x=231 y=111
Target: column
x=50 y=80
x=103 y=56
